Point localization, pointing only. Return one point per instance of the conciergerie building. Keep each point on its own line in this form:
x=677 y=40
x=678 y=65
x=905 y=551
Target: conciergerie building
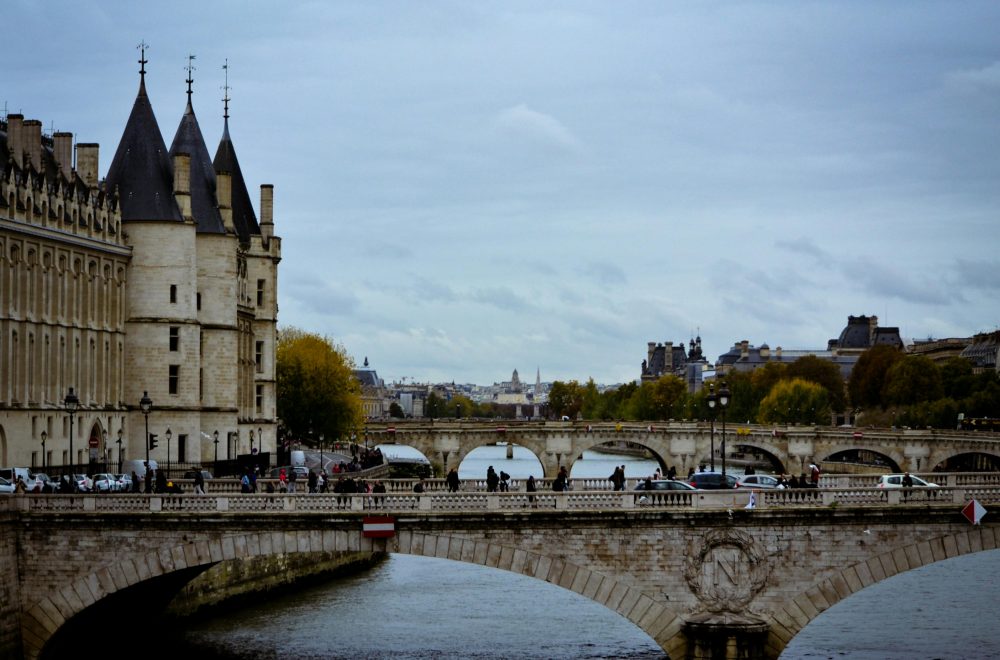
x=157 y=282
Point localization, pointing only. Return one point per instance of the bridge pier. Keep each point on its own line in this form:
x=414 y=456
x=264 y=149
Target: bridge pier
x=726 y=636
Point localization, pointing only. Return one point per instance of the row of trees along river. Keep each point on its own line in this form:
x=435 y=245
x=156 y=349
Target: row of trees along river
x=319 y=397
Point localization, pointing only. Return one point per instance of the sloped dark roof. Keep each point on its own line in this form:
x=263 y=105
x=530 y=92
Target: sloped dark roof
x=244 y=217
x=367 y=378
x=204 y=203
x=141 y=170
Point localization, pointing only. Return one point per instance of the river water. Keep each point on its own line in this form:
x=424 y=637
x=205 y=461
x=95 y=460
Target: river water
x=419 y=608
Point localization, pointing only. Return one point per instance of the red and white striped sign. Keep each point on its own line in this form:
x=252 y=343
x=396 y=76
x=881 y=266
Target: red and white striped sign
x=378 y=527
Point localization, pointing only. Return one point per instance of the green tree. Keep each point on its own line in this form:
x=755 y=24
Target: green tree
x=396 y=411
x=668 y=398
x=316 y=388
x=868 y=376
x=957 y=378
x=912 y=379
x=590 y=400
x=794 y=401
x=822 y=372
x=565 y=399
x=435 y=406
x=462 y=406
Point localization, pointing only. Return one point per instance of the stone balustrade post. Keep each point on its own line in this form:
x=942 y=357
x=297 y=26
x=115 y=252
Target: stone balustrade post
x=828 y=497
x=893 y=495
x=627 y=501
x=492 y=502
x=357 y=503
x=958 y=496
x=562 y=502
x=222 y=504
x=424 y=502
x=289 y=504
x=90 y=504
x=156 y=504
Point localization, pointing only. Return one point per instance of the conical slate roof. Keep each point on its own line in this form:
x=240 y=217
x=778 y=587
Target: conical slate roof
x=204 y=204
x=141 y=170
x=244 y=217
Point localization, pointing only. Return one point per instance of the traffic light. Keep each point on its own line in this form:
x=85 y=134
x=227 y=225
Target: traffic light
x=152 y=441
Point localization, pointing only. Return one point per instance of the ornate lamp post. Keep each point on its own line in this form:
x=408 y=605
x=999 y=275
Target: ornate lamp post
x=169 y=435
x=236 y=444
x=72 y=402
x=44 y=437
x=146 y=405
x=119 y=441
x=321 y=438
x=215 y=439
x=723 y=403
x=711 y=406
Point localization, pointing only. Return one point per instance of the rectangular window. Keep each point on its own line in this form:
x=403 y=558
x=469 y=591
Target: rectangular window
x=182 y=441
x=175 y=338
x=259 y=399
x=259 y=356
x=260 y=293
x=198 y=299
x=173 y=380
x=173 y=293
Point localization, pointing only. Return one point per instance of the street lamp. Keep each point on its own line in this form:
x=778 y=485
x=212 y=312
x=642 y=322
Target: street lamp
x=119 y=441
x=107 y=452
x=711 y=406
x=215 y=439
x=44 y=436
x=72 y=402
x=251 y=441
x=723 y=403
x=169 y=435
x=145 y=405
x=260 y=440
x=321 y=438
x=236 y=444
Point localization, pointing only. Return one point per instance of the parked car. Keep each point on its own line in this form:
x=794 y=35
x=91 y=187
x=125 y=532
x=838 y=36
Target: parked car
x=104 y=482
x=77 y=483
x=712 y=481
x=665 y=484
x=6 y=487
x=758 y=481
x=896 y=481
x=46 y=483
x=124 y=482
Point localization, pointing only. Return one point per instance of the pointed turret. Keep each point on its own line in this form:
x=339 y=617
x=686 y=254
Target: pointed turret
x=141 y=172
x=244 y=218
x=189 y=140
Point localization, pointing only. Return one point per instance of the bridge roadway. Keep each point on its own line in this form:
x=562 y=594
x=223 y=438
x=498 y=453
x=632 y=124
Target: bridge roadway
x=685 y=445
x=700 y=573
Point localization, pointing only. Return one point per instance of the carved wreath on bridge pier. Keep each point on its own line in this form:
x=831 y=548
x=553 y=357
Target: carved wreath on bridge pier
x=728 y=572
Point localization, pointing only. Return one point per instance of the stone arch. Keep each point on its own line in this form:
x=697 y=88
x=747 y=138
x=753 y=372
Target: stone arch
x=788 y=621
x=774 y=454
x=638 y=439
x=42 y=619
x=942 y=456
x=894 y=456
x=661 y=623
x=536 y=447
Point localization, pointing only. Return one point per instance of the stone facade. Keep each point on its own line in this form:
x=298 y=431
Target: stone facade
x=157 y=279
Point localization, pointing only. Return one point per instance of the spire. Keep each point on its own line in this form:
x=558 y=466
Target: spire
x=190 y=69
x=189 y=140
x=141 y=173
x=244 y=218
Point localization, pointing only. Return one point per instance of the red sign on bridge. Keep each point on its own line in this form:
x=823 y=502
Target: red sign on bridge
x=378 y=527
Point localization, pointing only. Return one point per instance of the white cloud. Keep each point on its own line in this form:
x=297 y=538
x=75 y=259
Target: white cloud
x=537 y=127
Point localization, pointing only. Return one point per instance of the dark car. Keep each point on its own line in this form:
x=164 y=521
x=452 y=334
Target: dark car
x=665 y=484
x=712 y=481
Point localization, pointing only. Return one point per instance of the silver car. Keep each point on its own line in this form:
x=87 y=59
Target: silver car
x=758 y=481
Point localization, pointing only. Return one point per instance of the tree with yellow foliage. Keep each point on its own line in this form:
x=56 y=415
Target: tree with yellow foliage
x=317 y=391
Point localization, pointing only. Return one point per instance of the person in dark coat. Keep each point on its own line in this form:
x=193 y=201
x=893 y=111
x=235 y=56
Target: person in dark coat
x=492 y=480
x=530 y=487
x=161 y=482
x=452 y=480
x=312 y=481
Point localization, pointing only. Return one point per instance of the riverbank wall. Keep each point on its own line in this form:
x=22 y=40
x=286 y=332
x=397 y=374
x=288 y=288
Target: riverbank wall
x=246 y=581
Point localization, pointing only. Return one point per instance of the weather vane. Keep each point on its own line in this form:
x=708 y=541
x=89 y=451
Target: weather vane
x=190 y=67
x=142 y=57
x=225 y=89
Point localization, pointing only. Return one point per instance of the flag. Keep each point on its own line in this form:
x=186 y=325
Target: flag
x=752 y=504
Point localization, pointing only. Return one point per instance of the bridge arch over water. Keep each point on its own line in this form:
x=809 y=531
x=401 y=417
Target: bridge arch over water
x=671 y=572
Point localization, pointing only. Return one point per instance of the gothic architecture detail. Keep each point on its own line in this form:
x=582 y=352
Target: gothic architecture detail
x=157 y=279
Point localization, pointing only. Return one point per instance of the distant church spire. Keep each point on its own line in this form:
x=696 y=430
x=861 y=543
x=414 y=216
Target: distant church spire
x=225 y=95
x=142 y=60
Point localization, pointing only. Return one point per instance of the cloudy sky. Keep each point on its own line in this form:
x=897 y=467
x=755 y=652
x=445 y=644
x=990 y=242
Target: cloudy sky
x=468 y=188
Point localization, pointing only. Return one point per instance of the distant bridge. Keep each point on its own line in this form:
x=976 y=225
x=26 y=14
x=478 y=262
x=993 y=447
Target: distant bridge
x=698 y=572
x=686 y=445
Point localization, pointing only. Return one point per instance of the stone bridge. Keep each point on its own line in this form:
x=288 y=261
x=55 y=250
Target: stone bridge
x=701 y=574
x=685 y=445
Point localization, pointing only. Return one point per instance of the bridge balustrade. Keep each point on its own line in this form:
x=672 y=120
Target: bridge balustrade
x=510 y=501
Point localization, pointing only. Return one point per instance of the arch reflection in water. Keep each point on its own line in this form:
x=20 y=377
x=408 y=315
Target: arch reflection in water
x=414 y=607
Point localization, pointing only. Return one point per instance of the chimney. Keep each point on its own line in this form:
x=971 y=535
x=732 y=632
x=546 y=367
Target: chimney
x=15 y=142
x=224 y=193
x=267 y=211
x=62 y=151
x=668 y=355
x=650 y=347
x=86 y=162
x=777 y=352
x=32 y=143
x=765 y=352
x=745 y=348
x=182 y=184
